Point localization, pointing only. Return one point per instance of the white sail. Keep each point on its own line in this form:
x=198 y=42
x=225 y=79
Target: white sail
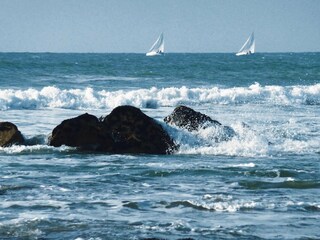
x=248 y=47
x=157 y=48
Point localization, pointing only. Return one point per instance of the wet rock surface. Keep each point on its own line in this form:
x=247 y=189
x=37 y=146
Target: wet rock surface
x=135 y=132
x=9 y=134
x=125 y=130
x=85 y=132
x=187 y=118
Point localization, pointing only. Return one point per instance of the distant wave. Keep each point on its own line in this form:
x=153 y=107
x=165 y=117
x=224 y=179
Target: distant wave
x=53 y=97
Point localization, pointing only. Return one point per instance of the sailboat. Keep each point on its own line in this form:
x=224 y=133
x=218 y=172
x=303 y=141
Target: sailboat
x=157 y=48
x=248 y=47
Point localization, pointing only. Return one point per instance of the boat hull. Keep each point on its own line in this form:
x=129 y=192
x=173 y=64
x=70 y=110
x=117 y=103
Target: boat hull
x=151 y=54
x=243 y=53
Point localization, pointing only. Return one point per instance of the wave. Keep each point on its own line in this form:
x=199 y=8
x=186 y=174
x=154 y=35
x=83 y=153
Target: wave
x=247 y=142
x=88 y=98
x=229 y=203
x=214 y=206
x=39 y=149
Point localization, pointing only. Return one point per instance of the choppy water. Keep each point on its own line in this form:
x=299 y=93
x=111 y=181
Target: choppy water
x=263 y=184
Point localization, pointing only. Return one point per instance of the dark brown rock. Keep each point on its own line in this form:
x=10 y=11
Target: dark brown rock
x=84 y=132
x=135 y=132
x=125 y=130
x=9 y=134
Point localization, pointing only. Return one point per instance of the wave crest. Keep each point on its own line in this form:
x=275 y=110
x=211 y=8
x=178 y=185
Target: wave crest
x=88 y=98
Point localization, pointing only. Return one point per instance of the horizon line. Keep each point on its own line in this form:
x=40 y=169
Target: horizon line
x=74 y=52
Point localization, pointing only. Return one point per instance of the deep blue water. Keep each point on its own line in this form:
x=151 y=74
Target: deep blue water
x=103 y=71
x=262 y=184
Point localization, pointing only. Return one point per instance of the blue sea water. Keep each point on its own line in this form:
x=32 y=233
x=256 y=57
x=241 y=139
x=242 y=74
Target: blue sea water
x=264 y=183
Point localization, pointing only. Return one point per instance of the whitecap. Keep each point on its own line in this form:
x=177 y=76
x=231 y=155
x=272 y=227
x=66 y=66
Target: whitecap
x=14 y=149
x=88 y=98
x=245 y=165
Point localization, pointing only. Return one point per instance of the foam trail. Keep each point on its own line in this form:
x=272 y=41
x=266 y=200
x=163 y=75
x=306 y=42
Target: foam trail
x=88 y=98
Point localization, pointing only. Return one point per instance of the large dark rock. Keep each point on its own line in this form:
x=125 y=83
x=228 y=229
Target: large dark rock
x=9 y=134
x=84 y=132
x=187 y=118
x=135 y=132
x=125 y=130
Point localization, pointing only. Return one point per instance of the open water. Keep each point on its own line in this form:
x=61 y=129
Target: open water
x=262 y=184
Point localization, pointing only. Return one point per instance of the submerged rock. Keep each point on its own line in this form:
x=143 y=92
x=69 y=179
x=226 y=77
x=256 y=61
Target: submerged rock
x=125 y=130
x=187 y=118
x=9 y=134
x=135 y=132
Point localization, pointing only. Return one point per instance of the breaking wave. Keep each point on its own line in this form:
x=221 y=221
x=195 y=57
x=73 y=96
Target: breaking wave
x=245 y=143
x=88 y=98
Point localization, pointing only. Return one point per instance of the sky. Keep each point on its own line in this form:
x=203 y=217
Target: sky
x=131 y=26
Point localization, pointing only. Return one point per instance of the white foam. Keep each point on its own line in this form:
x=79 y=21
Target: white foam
x=290 y=179
x=88 y=98
x=35 y=148
x=297 y=146
x=245 y=143
x=245 y=165
x=228 y=203
x=224 y=206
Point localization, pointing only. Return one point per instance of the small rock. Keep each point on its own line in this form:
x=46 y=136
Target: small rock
x=9 y=134
x=185 y=117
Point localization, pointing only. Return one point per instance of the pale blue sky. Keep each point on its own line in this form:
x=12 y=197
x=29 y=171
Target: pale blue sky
x=133 y=25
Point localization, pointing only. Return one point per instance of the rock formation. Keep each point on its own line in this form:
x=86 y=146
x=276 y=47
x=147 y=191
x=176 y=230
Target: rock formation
x=85 y=132
x=135 y=132
x=125 y=130
x=9 y=134
x=187 y=118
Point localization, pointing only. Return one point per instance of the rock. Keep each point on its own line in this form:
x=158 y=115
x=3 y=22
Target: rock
x=85 y=132
x=135 y=132
x=125 y=130
x=9 y=134
x=185 y=117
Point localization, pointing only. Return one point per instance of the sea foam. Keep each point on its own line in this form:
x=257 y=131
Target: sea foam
x=88 y=98
x=246 y=143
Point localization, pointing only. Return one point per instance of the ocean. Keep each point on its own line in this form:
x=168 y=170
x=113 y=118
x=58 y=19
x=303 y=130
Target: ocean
x=264 y=183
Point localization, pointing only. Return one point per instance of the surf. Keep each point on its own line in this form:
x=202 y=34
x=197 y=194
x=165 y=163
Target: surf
x=153 y=97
